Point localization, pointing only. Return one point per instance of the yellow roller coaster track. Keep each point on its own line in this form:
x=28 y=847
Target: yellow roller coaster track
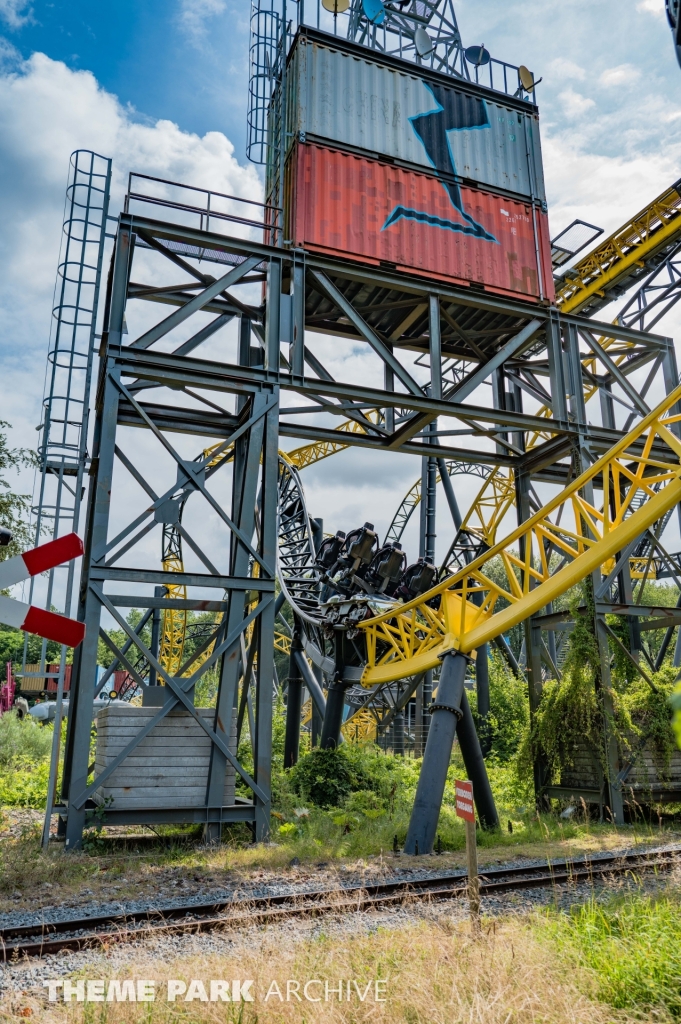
x=413 y=637
x=623 y=253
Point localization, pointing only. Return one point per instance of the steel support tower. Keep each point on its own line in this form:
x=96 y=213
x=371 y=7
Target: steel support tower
x=153 y=379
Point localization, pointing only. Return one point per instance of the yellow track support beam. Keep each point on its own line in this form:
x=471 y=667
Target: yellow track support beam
x=282 y=643
x=411 y=638
x=173 y=623
x=612 y=262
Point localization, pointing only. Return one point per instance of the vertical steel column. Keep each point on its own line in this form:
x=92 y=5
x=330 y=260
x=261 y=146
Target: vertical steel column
x=398 y=733
x=265 y=692
x=451 y=715
x=294 y=701
x=257 y=446
x=482 y=693
x=297 y=351
x=317 y=720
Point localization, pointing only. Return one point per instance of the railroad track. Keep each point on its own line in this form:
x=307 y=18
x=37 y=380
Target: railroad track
x=48 y=938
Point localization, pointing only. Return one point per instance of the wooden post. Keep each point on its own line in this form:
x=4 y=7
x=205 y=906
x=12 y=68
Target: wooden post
x=473 y=880
x=465 y=809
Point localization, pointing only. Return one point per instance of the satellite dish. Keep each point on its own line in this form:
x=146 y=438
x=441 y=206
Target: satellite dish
x=526 y=78
x=336 y=6
x=477 y=55
x=374 y=11
x=422 y=42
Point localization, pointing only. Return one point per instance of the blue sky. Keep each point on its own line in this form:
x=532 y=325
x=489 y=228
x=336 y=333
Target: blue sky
x=184 y=61
x=187 y=60
x=161 y=86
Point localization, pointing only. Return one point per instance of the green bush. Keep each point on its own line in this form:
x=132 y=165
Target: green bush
x=325 y=777
x=24 y=784
x=509 y=709
x=24 y=761
x=23 y=739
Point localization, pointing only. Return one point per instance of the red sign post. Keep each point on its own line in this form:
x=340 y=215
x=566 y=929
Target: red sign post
x=465 y=809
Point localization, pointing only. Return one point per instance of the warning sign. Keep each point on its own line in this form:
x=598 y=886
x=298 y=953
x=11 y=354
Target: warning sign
x=464 y=800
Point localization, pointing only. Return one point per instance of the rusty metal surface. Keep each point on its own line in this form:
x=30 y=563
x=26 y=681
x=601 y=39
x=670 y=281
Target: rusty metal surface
x=342 y=204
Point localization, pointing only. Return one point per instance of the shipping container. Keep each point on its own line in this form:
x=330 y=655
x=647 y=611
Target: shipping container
x=52 y=683
x=374 y=211
x=353 y=97
x=37 y=683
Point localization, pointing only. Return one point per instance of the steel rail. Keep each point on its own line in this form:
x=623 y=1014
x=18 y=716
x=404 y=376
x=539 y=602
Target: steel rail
x=44 y=939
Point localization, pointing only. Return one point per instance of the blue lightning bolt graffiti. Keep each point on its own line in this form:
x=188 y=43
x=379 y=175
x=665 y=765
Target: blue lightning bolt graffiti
x=454 y=112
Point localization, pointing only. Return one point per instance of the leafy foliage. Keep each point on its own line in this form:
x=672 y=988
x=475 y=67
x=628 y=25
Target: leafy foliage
x=14 y=508
x=325 y=777
x=22 y=739
x=570 y=711
x=650 y=713
x=24 y=761
x=509 y=710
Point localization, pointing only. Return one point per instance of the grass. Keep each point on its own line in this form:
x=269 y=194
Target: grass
x=630 y=948
x=583 y=968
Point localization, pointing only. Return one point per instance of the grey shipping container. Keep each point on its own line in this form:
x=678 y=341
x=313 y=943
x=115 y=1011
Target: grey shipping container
x=346 y=94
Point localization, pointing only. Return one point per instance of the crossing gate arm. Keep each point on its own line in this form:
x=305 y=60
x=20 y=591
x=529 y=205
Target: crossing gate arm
x=413 y=637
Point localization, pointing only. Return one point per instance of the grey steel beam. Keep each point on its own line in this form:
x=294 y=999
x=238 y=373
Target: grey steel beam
x=411 y=284
x=170 y=371
x=187 y=579
x=377 y=343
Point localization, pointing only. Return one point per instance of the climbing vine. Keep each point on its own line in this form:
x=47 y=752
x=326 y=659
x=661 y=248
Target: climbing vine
x=571 y=710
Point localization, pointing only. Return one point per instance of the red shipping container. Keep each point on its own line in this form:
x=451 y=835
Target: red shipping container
x=52 y=683
x=369 y=210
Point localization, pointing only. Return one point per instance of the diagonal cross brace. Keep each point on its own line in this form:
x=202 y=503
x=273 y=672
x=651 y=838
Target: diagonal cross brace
x=468 y=386
x=615 y=372
x=195 y=304
x=379 y=347
x=181 y=697
x=194 y=475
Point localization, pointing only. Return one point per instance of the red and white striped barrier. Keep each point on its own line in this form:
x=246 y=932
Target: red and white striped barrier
x=28 y=616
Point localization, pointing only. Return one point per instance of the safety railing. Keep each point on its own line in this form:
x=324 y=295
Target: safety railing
x=217 y=212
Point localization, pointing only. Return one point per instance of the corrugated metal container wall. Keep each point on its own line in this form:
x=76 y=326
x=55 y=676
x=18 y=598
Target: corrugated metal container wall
x=369 y=210
x=456 y=129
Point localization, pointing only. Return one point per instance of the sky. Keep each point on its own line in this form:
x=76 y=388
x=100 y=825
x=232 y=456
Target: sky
x=161 y=86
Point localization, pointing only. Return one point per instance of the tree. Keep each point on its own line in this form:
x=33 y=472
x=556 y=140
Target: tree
x=15 y=509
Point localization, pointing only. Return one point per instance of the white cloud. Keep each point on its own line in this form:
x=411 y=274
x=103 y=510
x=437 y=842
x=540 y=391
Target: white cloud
x=623 y=74
x=560 y=67
x=195 y=13
x=655 y=7
x=47 y=111
x=574 y=104
x=16 y=12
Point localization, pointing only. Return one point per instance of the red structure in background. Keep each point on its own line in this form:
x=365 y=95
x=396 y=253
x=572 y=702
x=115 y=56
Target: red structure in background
x=123 y=684
x=52 y=683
